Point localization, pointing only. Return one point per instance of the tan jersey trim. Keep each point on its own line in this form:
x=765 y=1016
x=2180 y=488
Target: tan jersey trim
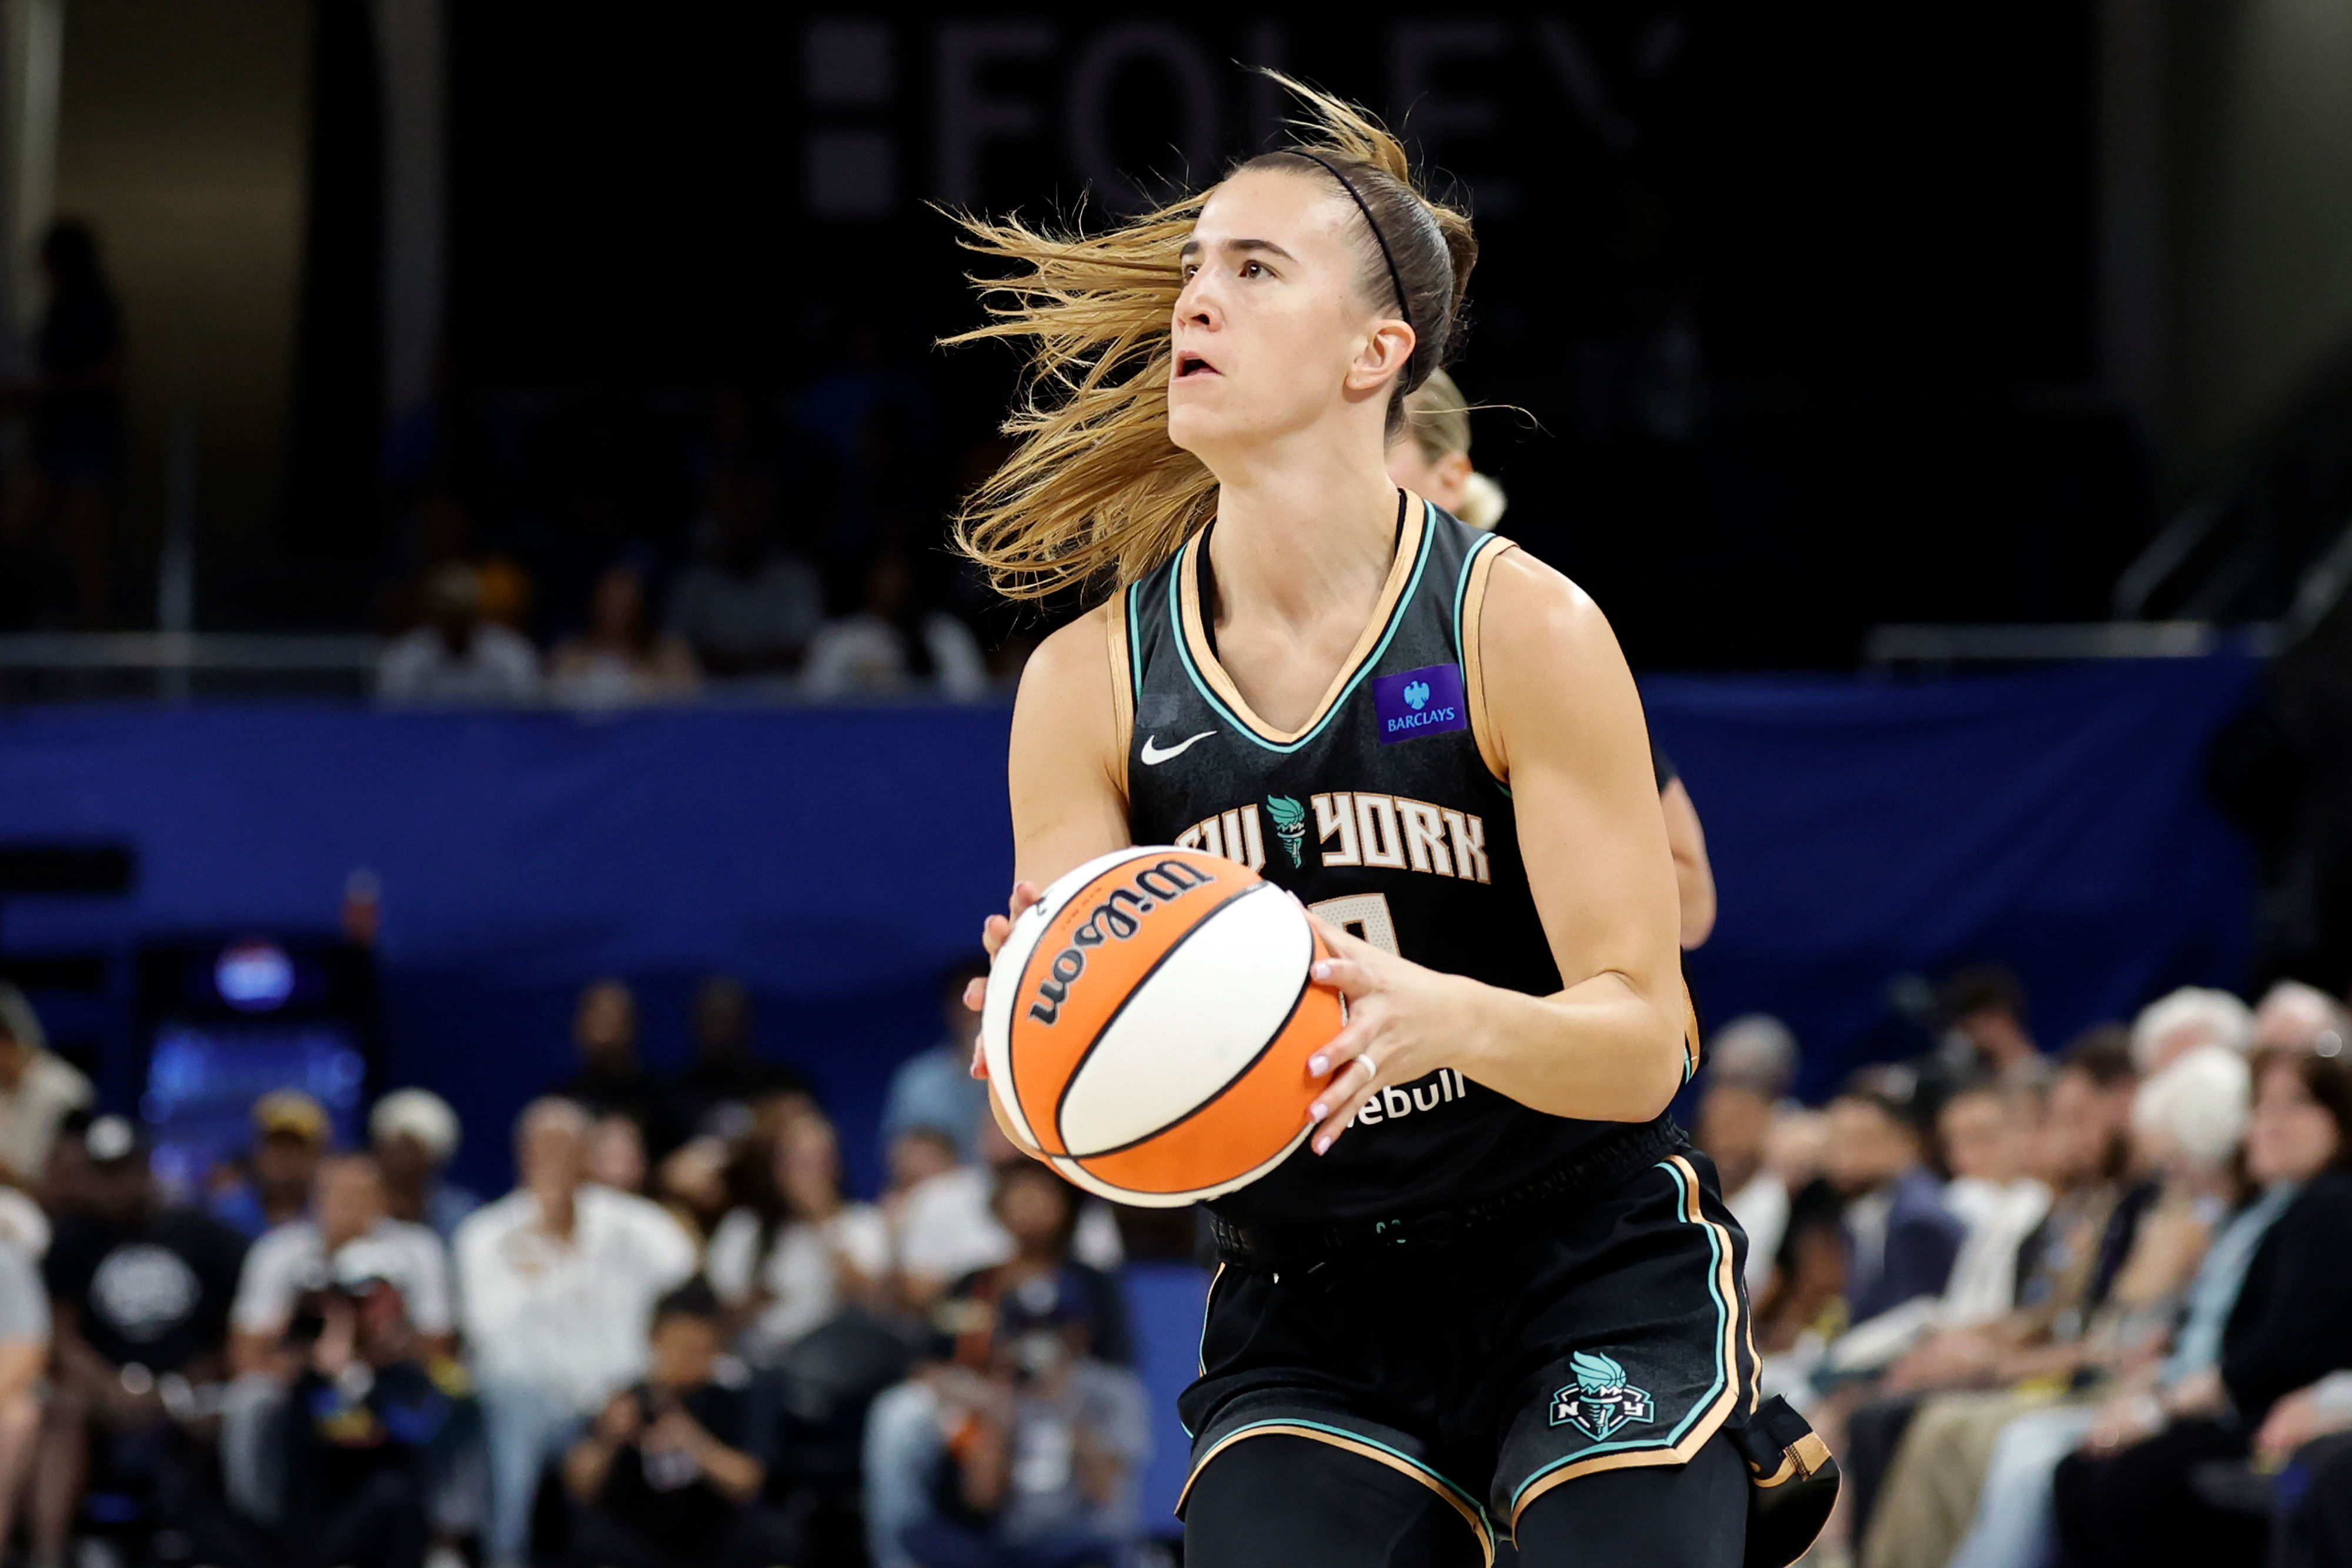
x=1196 y=636
x=1474 y=663
x=1378 y=1456
x=1728 y=1286
x=1122 y=689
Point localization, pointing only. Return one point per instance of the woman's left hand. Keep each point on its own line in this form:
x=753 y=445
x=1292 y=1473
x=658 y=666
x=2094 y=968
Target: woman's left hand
x=1404 y=1022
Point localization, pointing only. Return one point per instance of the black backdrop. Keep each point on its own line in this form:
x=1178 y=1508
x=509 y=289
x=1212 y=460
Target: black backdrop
x=1797 y=300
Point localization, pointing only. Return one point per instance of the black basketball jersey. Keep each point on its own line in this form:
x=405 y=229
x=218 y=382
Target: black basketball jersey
x=1384 y=815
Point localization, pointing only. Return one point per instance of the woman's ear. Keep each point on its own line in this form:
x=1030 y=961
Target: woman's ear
x=1383 y=355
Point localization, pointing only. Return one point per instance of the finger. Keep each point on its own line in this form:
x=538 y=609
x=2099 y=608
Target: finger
x=1346 y=943
x=1337 y=1123
x=1025 y=893
x=1342 y=1048
x=975 y=992
x=979 y=1060
x=993 y=932
x=1349 y=1086
x=1345 y=975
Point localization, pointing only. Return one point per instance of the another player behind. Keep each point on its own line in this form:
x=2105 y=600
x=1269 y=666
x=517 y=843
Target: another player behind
x=1497 y=1290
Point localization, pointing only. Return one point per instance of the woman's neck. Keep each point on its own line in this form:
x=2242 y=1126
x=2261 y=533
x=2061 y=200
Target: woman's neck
x=1304 y=534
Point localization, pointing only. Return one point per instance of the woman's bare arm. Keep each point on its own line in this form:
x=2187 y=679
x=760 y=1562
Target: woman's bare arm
x=1609 y=1046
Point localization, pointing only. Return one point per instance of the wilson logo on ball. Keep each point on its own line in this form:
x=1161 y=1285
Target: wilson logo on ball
x=1117 y=917
x=1148 y=1022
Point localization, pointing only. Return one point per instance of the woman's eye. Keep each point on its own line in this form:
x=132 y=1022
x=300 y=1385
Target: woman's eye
x=1253 y=269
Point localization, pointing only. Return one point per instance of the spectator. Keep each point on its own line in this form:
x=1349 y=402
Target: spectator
x=667 y=1477
x=744 y=607
x=947 y=1226
x=36 y=1089
x=913 y=1157
x=1985 y=1007
x=1900 y=1240
x=2187 y=1124
x=610 y=1080
x=348 y=1225
x=1735 y=1122
x=557 y=1282
x=616 y=1153
x=1756 y=1048
x=791 y=1263
x=289 y=1138
x=1985 y=1133
x=2268 y=1318
x=620 y=660
x=716 y=1092
x=24 y=1358
x=935 y=1088
x=920 y=1508
x=368 y=1414
x=457 y=656
x=2074 y=1261
x=1429 y=455
x=2305 y=1017
x=415 y=1136
x=892 y=644
x=139 y=1298
x=2175 y=1024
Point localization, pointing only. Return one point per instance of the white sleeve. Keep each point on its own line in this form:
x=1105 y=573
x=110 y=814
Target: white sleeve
x=489 y=1294
x=429 y=1309
x=729 y=1262
x=956 y=656
x=266 y=1286
x=863 y=1237
x=668 y=1252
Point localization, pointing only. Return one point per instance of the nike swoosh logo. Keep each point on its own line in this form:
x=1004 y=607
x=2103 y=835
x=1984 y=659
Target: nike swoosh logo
x=1153 y=756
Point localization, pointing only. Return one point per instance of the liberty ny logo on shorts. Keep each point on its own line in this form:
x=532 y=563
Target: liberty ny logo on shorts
x=1599 y=1402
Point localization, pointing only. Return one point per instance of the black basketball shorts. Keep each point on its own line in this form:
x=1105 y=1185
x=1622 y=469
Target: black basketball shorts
x=1609 y=1333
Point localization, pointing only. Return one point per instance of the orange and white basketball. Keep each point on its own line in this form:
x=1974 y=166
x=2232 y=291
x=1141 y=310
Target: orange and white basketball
x=1149 y=1023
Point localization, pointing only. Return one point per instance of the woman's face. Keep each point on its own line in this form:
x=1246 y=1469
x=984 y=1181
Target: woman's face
x=808 y=1165
x=1271 y=333
x=2291 y=1136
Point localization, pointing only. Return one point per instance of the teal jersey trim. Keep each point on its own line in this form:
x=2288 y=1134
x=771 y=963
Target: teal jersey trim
x=1476 y=1507
x=1371 y=660
x=1700 y=1405
x=1135 y=637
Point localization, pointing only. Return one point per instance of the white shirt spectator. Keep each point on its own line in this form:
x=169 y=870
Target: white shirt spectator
x=1999 y=1217
x=24 y=1302
x=800 y=1275
x=569 y=1315
x=863 y=655
x=292 y=1259
x=29 y=1113
x=498 y=665
x=948 y=1228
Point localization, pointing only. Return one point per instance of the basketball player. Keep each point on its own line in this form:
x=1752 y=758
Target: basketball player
x=1496 y=1290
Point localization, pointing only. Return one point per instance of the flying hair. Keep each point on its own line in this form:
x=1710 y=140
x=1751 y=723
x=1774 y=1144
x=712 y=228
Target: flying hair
x=1095 y=494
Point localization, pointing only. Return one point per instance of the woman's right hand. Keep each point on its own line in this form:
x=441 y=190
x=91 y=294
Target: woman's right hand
x=993 y=931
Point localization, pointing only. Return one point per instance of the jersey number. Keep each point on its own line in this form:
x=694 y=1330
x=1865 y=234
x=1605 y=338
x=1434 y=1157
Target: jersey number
x=1364 y=914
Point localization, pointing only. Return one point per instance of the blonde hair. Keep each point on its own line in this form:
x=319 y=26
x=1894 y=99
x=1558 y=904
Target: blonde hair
x=1095 y=490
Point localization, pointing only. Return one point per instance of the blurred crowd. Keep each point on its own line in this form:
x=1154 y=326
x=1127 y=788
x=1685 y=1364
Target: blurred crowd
x=2083 y=1308
x=675 y=1341
x=2090 y=1309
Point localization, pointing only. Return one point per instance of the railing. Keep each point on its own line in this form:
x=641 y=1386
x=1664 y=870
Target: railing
x=1997 y=644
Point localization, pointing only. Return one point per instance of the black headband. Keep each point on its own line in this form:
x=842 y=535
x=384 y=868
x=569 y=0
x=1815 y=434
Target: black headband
x=1396 y=279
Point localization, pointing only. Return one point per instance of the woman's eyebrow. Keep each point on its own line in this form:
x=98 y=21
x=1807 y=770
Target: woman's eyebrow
x=1193 y=247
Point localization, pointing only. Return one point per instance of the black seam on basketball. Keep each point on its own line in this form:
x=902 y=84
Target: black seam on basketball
x=1304 y=987
x=1062 y=1099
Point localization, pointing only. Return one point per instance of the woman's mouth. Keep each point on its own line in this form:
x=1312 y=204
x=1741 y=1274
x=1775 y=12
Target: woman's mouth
x=1189 y=366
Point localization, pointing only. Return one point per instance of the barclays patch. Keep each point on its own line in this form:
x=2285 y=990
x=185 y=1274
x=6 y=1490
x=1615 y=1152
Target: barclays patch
x=1426 y=701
